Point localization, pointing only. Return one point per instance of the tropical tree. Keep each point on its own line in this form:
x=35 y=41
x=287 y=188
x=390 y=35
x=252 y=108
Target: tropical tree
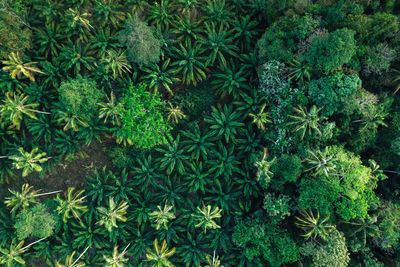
x=73 y=204
x=230 y=80
x=219 y=43
x=225 y=122
x=143 y=47
x=160 y=77
x=159 y=256
x=117 y=259
x=213 y=261
x=175 y=114
x=161 y=217
x=299 y=71
x=367 y=227
x=264 y=174
x=70 y=262
x=396 y=81
x=205 y=217
x=15 y=66
x=190 y=63
x=162 y=14
x=110 y=109
x=261 y=118
x=79 y=19
x=49 y=39
x=185 y=6
x=198 y=142
x=109 y=216
x=173 y=156
x=25 y=198
x=116 y=61
x=306 y=121
x=29 y=161
x=102 y=41
x=313 y=225
x=321 y=163
x=15 y=106
x=14 y=253
x=108 y=12
x=244 y=29
x=188 y=30
x=217 y=11
x=75 y=57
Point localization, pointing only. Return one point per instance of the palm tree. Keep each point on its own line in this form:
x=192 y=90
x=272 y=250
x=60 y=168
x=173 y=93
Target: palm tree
x=216 y=11
x=306 y=120
x=214 y=261
x=185 y=6
x=48 y=40
x=116 y=61
x=116 y=260
x=263 y=168
x=299 y=71
x=245 y=29
x=188 y=30
x=320 y=162
x=162 y=216
x=108 y=12
x=159 y=256
x=261 y=118
x=175 y=114
x=160 y=77
x=162 y=14
x=313 y=225
x=396 y=81
x=15 y=106
x=366 y=227
x=190 y=64
x=79 y=19
x=24 y=198
x=15 y=66
x=73 y=204
x=230 y=80
x=206 y=216
x=109 y=216
x=225 y=122
x=219 y=43
x=110 y=109
x=14 y=253
x=69 y=260
x=29 y=161
x=75 y=56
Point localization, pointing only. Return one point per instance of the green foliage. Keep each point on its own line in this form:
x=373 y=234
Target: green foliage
x=306 y=121
x=28 y=161
x=162 y=216
x=190 y=63
x=277 y=207
x=313 y=226
x=80 y=97
x=331 y=92
x=351 y=196
x=160 y=77
x=142 y=45
x=264 y=242
x=115 y=212
x=329 y=52
x=159 y=256
x=73 y=204
x=279 y=40
x=205 y=217
x=15 y=66
x=14 y=107
x=225 y=122
x=333 y=252
x=15 y=34
x=142 y=118
x=37 y=221
x=287 y=167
